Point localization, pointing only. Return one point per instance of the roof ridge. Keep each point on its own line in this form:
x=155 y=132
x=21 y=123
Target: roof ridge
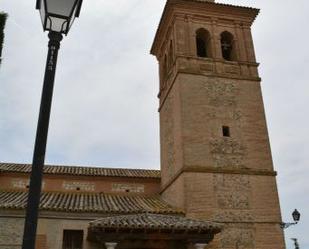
x=82 y=170
x=78 y=166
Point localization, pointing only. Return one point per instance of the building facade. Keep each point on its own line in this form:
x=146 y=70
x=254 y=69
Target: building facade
x=216 y=187
x=215 y=155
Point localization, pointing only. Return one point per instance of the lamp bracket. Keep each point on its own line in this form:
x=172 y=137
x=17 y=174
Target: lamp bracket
x=285 y=225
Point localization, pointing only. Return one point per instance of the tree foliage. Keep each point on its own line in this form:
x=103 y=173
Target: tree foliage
x=3 y=17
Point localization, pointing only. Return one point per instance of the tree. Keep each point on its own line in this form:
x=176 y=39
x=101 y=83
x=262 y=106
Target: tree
x=3 y=17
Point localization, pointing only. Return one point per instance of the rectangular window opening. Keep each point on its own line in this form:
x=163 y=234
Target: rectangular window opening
x=226 y=131
x=72 y=239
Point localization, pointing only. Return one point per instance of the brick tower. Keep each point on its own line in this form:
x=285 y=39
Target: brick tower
x=216 y=161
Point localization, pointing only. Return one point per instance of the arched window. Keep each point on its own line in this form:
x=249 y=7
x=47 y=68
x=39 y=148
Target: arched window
x=165 y=67
x=227 y=46
x=203 y=45
x=170 y=54
x=163 y=72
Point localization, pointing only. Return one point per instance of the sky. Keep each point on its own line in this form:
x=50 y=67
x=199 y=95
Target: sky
x=104 y=109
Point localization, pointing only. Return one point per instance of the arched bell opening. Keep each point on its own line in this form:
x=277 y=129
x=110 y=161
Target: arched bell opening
x=228 y=46
x=203 y=43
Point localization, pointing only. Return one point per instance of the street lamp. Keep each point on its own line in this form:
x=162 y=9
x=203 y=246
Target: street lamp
x=296 y=217
x=57 y=17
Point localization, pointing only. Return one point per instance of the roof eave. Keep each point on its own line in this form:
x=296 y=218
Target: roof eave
x=83 y=171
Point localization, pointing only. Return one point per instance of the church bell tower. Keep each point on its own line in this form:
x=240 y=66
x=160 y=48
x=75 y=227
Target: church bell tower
x=216 y=161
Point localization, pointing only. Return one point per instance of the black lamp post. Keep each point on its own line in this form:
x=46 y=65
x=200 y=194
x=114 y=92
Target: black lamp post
x=296 y=217
x=57 y=17
x=295 y=243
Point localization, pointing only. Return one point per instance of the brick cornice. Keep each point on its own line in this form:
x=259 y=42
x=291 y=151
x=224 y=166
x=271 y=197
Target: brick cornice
x=205 y=169
x=173 y=74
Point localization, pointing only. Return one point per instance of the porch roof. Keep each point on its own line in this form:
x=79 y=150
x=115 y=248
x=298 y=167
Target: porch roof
x=153 y=222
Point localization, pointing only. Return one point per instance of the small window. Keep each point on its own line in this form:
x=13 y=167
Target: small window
x=202 y=40
x=72 y=239
x=226 y=131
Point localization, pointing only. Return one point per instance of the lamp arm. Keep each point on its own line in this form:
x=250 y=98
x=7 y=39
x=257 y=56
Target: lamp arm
x=285 y=225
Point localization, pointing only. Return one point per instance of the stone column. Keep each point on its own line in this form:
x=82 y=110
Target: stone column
x=200 y=245
x=110 y=245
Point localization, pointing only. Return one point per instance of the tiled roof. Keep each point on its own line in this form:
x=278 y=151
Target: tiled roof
x=82 y=171
x=149 y=221
x=89 y=202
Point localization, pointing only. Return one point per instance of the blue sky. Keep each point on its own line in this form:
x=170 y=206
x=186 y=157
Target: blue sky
x=105 y=107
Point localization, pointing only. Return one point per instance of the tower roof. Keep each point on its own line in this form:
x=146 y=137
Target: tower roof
x=212 y=8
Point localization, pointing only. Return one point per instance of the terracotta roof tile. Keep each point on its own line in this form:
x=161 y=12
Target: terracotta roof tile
x=82 y=171
x=154 y=222
x=89 y=202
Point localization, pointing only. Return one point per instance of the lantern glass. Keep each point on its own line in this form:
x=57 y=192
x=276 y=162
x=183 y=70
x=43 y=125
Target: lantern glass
x=58 y=15
x=56 y=24
x=43 y=12
x=60 y=7
x=296 y=215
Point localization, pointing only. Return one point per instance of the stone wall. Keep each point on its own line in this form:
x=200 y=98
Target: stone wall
x=11 y=231
x=49 y=235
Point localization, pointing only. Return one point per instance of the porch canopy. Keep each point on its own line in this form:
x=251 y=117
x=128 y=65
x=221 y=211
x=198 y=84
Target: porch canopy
x=148 y=230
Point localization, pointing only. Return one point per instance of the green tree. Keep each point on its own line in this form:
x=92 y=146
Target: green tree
x=3 y=17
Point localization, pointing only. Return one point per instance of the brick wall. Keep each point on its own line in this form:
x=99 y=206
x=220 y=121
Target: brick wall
x=41 y=241
x=20 y=182
x=228 y=179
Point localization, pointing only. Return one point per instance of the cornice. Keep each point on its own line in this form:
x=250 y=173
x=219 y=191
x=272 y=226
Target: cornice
x=207 y=169
x=173 y=74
